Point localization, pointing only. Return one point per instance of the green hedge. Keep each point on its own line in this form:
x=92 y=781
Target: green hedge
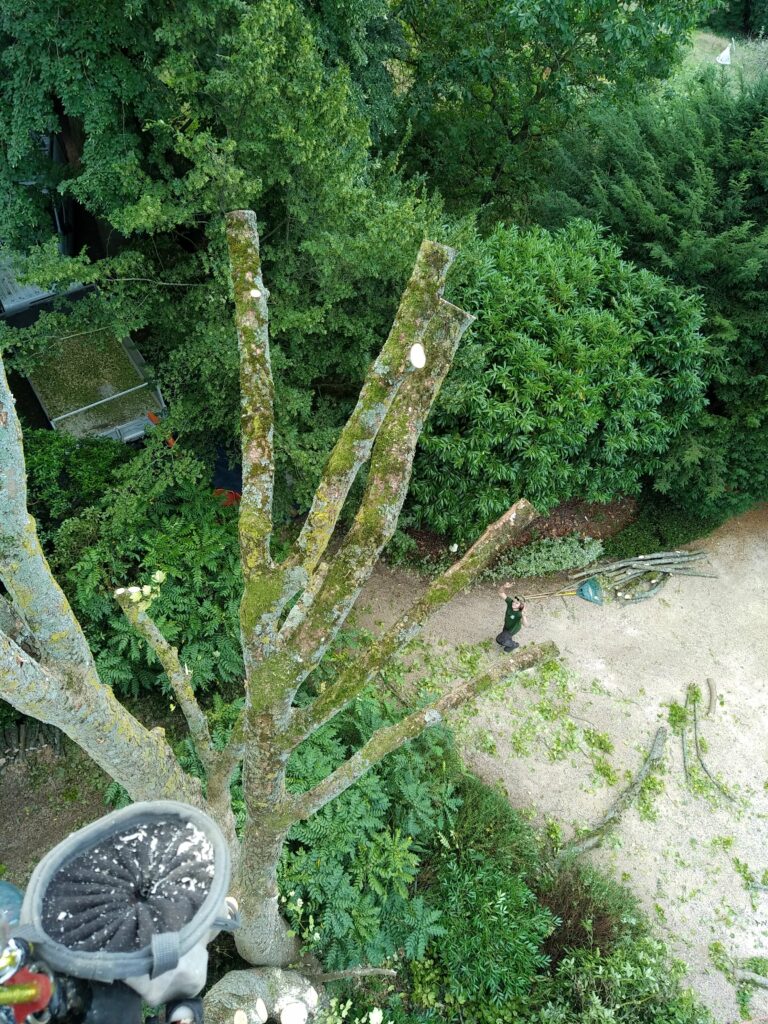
x=580 y=373
x=679 y=178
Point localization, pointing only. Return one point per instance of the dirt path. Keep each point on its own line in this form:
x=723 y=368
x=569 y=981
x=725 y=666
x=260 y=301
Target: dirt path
x=692 y=865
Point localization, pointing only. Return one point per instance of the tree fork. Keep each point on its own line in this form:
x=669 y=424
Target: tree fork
x=460 y=575
x=388 y=478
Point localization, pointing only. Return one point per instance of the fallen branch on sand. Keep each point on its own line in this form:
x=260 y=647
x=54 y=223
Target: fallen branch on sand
x=596 y=835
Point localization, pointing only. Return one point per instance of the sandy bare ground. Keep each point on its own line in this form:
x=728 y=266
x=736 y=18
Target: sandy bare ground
x=692 y=865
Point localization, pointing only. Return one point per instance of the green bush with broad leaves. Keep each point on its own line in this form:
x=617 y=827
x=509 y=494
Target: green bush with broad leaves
x=579 y=375
x=679 y=178
x=525 y=939
x=67 y=474
x=159 y=515
x=349 y=874
x=483 y=875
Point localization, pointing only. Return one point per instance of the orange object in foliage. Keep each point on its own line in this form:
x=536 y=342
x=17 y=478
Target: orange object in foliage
x=230 y=497
x=154 y=418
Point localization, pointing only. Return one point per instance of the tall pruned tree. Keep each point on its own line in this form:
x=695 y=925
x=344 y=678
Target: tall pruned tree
x=290 y=611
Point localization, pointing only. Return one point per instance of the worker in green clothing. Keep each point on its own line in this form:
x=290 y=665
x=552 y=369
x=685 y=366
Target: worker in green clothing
x=514 y=619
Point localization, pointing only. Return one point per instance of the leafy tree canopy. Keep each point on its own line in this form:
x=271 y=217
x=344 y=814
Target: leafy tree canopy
x=166 y=121
x=482 y=79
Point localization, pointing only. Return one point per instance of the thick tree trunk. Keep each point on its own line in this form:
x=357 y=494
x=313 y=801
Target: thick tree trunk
x=262 y=938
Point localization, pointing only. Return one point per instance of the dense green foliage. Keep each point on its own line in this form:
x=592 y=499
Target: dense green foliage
x=483 y=80
x=159 y=514
x=524 y=942
x=66 y=475
x=349 y=872
x=680 y=179
x=166 y=121
x=581 y=372
x=750 y=16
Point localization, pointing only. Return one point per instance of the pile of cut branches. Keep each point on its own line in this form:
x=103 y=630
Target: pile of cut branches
x=636 y=579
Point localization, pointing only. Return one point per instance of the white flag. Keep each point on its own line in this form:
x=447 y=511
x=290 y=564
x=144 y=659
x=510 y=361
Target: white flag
x=725 y=56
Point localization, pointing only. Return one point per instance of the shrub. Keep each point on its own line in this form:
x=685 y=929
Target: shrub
x=552 y=554
x=637 y=982
x=491 y=950
x=66 y=474
x=348 y=873
x=591 y=911
x=680 y=179
x=580 y=374
x=660 y=526
x=524 y=942
x=488 y=825
x=159 y=514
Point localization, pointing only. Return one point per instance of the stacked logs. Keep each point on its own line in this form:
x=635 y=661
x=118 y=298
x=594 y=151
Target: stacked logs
x=635 y=579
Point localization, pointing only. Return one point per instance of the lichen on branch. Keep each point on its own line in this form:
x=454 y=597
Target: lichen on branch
x=386 y=488
x=372 y=660
x=62 y=686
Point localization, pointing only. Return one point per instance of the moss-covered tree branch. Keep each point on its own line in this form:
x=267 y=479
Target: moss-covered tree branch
x=133 y=604
x=418 y=305
x=63 y=688
x=364 y=667
x=387 y=485
x=218 y=764
x=266 y=588
x=390 y=738
x=12 y=624
x=256 y=389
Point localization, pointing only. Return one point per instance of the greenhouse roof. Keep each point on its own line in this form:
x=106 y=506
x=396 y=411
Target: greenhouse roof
x=94 y=383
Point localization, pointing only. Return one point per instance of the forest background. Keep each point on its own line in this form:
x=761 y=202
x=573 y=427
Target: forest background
x=608 y=205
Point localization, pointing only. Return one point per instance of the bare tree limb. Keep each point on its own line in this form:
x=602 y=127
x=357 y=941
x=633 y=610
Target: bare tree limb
x=218 y=764
x=139 y=759
x=63 y=688
x=388 y=479
x=750 y=978
x=34 y=592
x=614 y=814
x=391 y=737
x=135 y=610
x=272 y=686
x=266 y=588
x=362 y=670
x=418 y=305
x=256 y=391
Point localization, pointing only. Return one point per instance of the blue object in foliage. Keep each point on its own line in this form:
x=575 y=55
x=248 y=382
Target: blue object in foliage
x=591 y=590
